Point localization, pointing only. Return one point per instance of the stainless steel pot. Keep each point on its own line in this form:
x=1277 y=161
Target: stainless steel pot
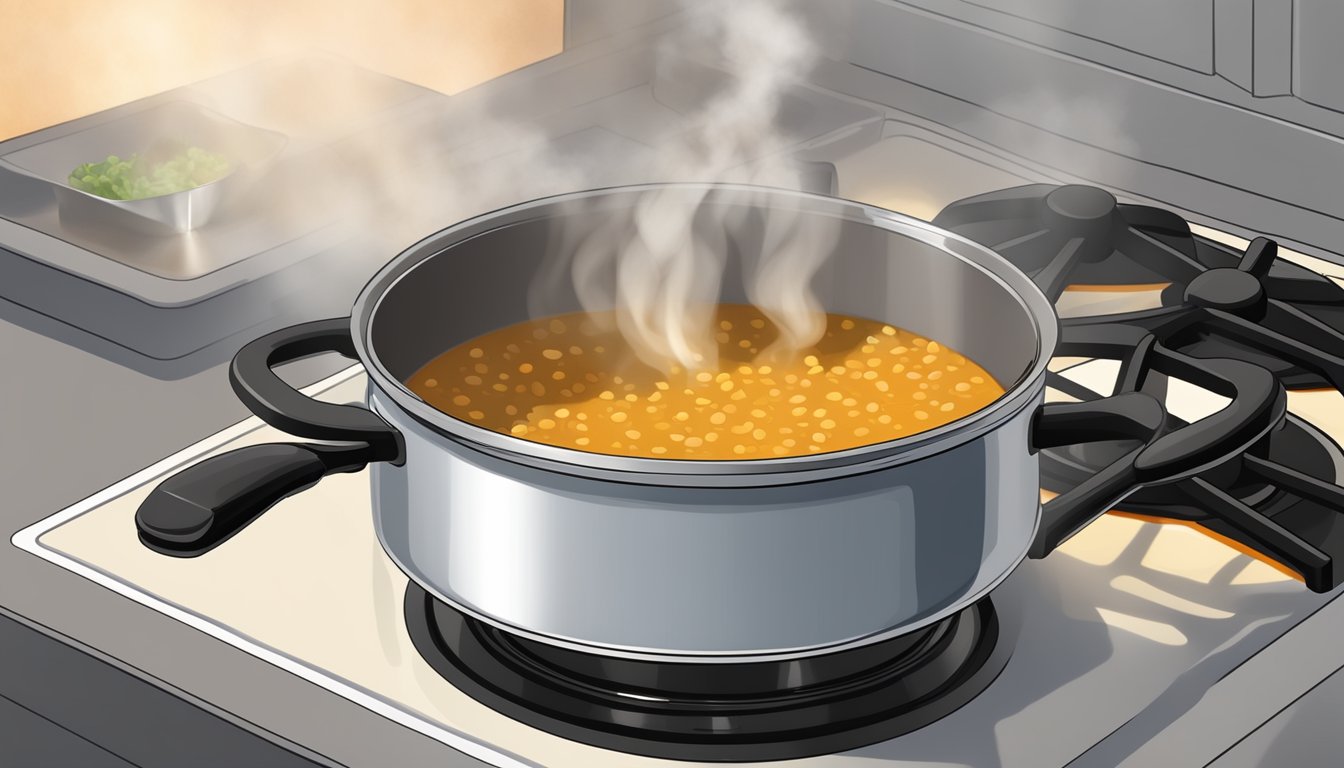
x=711 y=560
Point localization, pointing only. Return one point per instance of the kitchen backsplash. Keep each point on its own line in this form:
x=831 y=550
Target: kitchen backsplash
x=1225 y=109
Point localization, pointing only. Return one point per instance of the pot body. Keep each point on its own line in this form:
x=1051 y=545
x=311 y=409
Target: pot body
x=655 y=571
x=707 y=559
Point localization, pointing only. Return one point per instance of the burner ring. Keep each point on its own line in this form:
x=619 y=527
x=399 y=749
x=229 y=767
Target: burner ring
x=928 y=678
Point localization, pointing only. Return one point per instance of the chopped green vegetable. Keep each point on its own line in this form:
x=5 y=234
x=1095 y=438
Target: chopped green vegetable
x=137 y=177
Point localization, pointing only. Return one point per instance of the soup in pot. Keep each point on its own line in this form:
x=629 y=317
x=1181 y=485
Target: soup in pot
x=572 y=381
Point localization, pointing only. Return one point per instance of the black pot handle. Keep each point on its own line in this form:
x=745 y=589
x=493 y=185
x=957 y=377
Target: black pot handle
x=200 y=507
x=1257 y=400
x=283 y=407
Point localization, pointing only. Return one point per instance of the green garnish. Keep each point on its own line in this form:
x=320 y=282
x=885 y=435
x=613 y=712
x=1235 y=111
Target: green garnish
x=136 y=177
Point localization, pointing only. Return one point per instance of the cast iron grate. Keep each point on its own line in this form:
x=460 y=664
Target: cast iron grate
x=1279 y=496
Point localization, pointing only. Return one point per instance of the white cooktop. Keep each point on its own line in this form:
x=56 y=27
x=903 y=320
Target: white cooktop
x=1127 y=618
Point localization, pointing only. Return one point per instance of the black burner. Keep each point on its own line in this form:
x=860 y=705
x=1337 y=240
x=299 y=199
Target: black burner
x=1303 y=446
x=1248 y=306
x=1088 y=208
x=1073 y=235
x=1089 y=216
x=714 y=712
x=1279 y=495
x=1303 y=499
x=1230 y=290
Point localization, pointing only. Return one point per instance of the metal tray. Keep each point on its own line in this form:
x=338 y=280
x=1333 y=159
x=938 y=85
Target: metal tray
x=250 y=149
x=244 y=241
x=162 y=301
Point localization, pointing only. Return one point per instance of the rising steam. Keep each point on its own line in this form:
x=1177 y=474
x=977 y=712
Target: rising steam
x=667 y=254
x=661 y=264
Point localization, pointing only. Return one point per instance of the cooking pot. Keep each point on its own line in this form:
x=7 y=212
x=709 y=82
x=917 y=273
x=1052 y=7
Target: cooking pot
x=716 y=561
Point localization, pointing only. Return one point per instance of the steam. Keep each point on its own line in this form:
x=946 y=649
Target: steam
x=1081 y=136
x=668 y=253
x=661 y=264
x=793 y=251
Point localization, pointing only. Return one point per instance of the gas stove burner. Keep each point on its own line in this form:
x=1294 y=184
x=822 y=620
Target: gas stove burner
x=1280 y=498
x=1290 y=478
x=1073 y=235
x=1215 y=302
x=1295 y=442
x=714 y=712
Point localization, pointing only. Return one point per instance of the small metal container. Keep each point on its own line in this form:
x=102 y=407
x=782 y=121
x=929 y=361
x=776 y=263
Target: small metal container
x=250 y=149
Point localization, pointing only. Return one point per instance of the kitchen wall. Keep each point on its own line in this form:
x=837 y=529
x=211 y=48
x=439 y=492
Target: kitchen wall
x=1231 y=111
x=60 y=59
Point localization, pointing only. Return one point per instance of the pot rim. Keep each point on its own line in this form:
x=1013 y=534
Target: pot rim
x=766 y=471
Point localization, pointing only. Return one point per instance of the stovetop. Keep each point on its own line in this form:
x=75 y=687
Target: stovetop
x=1111 y=639
x=1122 y=629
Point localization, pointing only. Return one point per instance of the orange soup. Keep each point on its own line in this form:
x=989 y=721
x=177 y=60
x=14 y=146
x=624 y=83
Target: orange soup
x=568 y=381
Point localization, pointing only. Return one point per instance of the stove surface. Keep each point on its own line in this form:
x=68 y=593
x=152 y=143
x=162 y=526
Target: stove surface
x=1111 y=638
x=1127 y=628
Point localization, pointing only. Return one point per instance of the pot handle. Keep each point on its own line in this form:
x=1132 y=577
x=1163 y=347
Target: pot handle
x=1257 y=400
x=283 y=407
x=200 y=507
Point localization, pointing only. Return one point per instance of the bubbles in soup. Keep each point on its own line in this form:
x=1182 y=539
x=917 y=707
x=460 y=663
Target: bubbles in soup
x=571 y=381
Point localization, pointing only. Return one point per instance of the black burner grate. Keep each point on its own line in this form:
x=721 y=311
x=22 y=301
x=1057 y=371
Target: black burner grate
x=1249 y=306
x=1279 y=495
